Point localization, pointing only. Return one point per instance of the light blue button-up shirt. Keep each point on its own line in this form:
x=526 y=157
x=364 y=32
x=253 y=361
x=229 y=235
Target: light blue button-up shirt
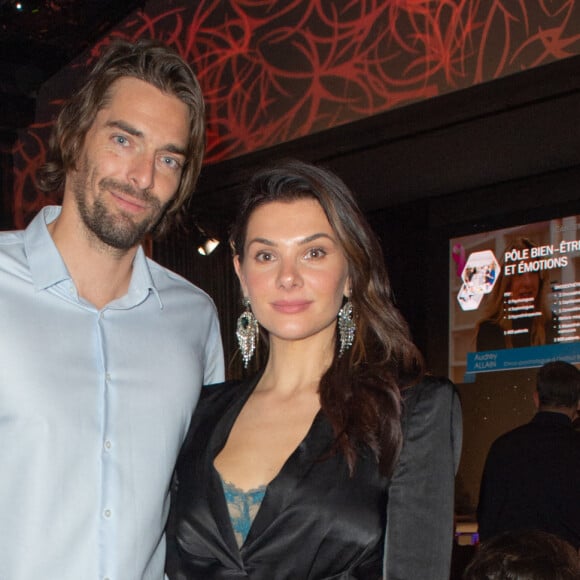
x=94 y=406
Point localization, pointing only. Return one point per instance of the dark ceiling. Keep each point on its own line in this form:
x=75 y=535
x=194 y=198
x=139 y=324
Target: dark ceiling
x=39 y=37
x=459 y=144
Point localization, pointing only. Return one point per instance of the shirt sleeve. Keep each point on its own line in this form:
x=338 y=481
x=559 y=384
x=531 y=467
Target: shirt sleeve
x=420 y=512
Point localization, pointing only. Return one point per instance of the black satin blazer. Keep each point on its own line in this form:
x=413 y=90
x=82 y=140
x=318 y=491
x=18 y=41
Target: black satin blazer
x=315 y=522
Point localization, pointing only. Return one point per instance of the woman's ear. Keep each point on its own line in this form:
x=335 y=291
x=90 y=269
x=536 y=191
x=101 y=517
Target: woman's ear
x=240 y=275
x=347 y=288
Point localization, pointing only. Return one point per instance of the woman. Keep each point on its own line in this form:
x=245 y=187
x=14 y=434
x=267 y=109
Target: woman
x=525 y=293
x=285 y=475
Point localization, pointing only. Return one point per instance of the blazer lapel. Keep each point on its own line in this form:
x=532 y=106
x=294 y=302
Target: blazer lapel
x=217 y=501
x=282 y=488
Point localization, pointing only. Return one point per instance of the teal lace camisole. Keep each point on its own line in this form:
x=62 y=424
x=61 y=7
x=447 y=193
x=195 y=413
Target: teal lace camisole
x=242 y=507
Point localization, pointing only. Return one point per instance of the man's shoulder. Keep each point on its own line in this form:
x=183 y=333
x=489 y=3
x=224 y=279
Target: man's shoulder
x=12 y=252
x=165 y=275
x=167 y=280
x=11 y=238
x=512 y=439
x=517 y=432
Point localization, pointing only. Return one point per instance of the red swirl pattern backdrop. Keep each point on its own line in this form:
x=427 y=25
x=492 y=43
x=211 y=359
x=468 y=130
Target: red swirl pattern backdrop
x=275 y=70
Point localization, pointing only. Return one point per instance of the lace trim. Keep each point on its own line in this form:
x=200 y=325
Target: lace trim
x=242 y=507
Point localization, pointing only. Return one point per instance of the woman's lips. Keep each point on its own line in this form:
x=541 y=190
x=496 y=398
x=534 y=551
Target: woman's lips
x=291 y=306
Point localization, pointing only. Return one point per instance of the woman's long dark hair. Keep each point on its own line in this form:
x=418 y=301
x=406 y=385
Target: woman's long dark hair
x=360 y=391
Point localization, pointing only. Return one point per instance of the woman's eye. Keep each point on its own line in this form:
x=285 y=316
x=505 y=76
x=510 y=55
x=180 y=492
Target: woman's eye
x=314 y=253
x=264 y=256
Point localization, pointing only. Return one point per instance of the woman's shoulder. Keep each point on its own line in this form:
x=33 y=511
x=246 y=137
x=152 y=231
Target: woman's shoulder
x=431 y=395
x=432 y=413
x=218 y=389
x=430 y=386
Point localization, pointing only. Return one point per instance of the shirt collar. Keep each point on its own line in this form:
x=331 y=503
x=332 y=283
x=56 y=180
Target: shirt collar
x=552 y=417
x=142 y=282
x=46 y=264
x=48 y=268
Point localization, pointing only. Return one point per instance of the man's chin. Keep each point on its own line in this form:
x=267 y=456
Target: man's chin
x=119 y=229
x=123 y=238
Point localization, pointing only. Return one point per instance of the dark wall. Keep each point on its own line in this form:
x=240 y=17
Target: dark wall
x=6 y=180
x=403 y=232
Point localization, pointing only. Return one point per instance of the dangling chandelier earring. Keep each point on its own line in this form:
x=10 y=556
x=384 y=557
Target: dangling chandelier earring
x=247 y=333
x=346 y=327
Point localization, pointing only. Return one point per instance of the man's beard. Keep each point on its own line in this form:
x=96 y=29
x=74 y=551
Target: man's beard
x=118 y=231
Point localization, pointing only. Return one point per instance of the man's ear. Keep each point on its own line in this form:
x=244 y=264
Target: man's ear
x=536 y=397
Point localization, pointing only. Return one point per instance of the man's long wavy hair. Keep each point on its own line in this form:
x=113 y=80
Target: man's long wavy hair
x=360 y=392
x=146 y=60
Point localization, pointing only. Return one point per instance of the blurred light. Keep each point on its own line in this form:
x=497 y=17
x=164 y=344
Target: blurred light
x=208 y=246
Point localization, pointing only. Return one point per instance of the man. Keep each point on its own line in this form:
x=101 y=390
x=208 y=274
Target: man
x=102 y=351
x=532 y=474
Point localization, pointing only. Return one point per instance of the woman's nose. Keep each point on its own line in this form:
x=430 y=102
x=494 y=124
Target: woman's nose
x=289 y=275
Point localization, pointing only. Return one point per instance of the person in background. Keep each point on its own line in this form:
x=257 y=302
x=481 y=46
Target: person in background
x=296 y=472
x=531 y=477
x=103 y=351
x=498 y=330
x=524 y=555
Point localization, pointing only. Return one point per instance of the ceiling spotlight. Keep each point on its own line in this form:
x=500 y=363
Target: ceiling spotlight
x=208 y=246
x=205 y=242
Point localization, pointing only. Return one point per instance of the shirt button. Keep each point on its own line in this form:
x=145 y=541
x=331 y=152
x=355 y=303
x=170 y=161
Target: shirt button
x=108 y=444
x=107 y=377
x=107 y=513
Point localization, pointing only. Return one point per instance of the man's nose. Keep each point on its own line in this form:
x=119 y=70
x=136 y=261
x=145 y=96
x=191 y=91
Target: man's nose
x=142 y=171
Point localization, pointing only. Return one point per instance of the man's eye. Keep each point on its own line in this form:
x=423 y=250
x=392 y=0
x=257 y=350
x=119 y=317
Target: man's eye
x=171 y=162
x=121 y=139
